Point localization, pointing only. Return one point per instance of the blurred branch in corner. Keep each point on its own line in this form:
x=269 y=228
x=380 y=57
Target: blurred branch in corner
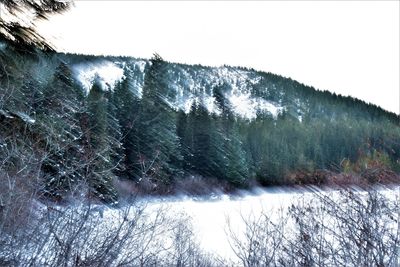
x=18 y=20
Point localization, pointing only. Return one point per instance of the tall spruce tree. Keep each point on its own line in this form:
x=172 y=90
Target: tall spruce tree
x=233 y=157
x=159 y=149
x=201 y=139
x=114 y=129
x=100 y=169
x=59 y=112
x=184 y=131
x=128 y=116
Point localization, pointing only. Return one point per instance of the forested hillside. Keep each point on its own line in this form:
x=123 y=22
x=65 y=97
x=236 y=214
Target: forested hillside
x=68 y=121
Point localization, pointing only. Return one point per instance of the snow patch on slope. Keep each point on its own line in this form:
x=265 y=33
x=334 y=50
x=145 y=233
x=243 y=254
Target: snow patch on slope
x=141 y=65
x=136 y=71
x=106 y=73
x=247 y=107
x=210 y=104
x=269 y=107
x=195 y=87
x=191 y=86
x=243 y=105
x=240 y=97
x=187 y=105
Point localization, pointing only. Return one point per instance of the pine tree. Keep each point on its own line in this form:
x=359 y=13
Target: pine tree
x=232 y=156
x=59 y=112
x=184 y=131
x=159 y=150
x=100 y=169
x=128 y=117
x=201 y=139
x=115 y=134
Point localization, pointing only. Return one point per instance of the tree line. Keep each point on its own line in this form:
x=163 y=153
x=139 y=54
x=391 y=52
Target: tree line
x=115 y=135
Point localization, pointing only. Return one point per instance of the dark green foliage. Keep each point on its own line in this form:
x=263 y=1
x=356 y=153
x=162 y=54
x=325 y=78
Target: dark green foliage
x=127 y=108
x=159 y=153
x=232 y=158
x=59 y=110
x=102 y=145
x=201 y=139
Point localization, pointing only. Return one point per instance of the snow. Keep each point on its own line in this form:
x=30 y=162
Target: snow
x=187 y=104
x=211 y=233
x=23 y=17
x=269 y=107
x=196 y=86
x=25 y=117
x=243 y=105
x=208 y=216
x=107 y=73
x=190 y=86
x=210 y=104
x=247 y=107
x=141 y=65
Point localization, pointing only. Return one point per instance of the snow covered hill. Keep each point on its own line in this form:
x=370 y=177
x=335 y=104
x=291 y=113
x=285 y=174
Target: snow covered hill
x=169 y=127
x=187 y=85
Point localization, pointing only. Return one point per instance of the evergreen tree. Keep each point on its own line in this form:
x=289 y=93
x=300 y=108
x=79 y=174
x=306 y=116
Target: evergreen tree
x=59 y=111
x=203 y=143
x=117 y=153
x=184 y=131
x=233 y=157
x=159 y=150
x=128 y=117
x=99 y=173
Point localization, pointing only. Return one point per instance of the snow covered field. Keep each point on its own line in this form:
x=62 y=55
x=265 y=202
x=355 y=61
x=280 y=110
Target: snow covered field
x=264 y=227
x=215 y=218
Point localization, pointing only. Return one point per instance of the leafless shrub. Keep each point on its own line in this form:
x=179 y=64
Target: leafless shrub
x=84 y=234
x=261 y=242
x=338 y=228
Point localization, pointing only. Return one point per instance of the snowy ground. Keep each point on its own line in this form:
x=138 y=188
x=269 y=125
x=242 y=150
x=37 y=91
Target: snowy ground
x=209 y=216
x=162 y=229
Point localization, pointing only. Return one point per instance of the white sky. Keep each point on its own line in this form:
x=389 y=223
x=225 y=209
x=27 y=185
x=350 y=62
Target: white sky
x=351 y=48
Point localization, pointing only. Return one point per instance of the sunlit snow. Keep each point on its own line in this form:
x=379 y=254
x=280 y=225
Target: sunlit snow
x=141 y=64
x=25 y=117
x=210 y=104
x=243 y=105
x=247 y=107
x=210 y=216
x=273 y=109
x=190 y=88
x=107 y=73
x=196 y=88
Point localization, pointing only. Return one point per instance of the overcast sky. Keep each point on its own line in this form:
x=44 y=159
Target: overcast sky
x=351 y=48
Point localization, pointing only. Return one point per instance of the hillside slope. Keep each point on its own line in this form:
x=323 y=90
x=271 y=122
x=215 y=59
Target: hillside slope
x=103 y=123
